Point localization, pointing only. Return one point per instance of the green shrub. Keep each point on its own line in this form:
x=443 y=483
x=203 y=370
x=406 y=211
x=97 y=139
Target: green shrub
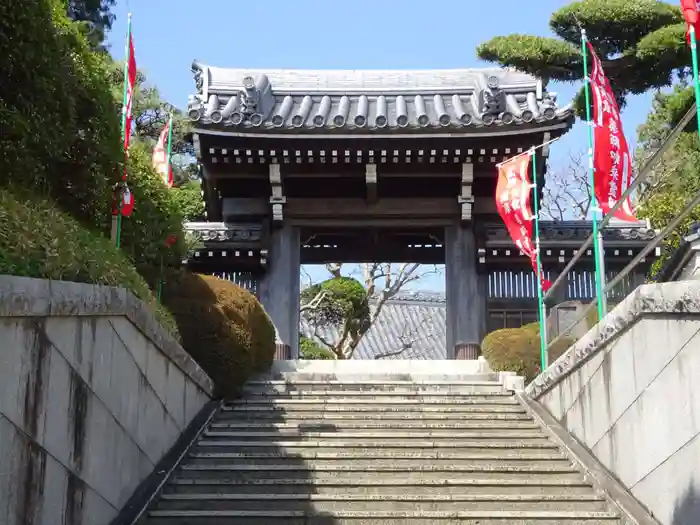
x=518 y=350
x=59 y=121
x=223 y=327
x=156 y=215
x=310 y=349
x=345 y=301
x=39 y=240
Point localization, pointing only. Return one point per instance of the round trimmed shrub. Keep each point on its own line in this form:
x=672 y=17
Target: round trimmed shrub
x=223 y=327
x=518 y=350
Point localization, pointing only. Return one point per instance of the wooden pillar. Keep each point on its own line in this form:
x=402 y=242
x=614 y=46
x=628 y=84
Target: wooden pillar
x=279 y=289
x=466 y=308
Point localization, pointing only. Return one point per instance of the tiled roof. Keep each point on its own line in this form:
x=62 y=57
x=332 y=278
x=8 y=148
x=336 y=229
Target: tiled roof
x=354 y=101
x=410 y=326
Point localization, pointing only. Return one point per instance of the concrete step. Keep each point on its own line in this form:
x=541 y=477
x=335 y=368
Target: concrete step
x=394 y=517
x=383 y=398
x=334 y=504
x=316 y=408
x=529 y=465
x=413 y=444
x=300 y=416
x=252 y=454
x=374 y=389
x=321 y=425
x=364 y=383
x=376 y=435
x=380 y=487
x=255 y=474
x=375 y=376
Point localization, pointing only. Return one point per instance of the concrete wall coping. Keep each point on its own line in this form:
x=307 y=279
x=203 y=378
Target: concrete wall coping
x=28 y=297
x=680 y=297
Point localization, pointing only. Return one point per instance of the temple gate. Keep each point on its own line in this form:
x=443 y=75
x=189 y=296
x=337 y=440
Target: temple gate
x=309 y=167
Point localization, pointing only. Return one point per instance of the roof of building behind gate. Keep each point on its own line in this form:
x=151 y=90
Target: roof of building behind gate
x=306 y=102
x=410 y=326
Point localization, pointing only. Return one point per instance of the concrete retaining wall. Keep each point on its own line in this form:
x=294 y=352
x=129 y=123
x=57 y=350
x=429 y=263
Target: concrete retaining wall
x=93 y=392
x=627 y=391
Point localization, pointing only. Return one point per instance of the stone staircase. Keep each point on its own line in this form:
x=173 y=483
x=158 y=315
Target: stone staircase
x=309 y=449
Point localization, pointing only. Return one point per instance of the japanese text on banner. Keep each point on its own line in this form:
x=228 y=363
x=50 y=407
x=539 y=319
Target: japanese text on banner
x=612 y=161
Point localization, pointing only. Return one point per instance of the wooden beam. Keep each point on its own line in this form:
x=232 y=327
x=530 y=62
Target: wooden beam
x=277 y=200
x=406 y=209
x=371 y=182
x=466 y=199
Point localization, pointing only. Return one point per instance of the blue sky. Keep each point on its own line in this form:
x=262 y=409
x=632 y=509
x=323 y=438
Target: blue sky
x=330 y=34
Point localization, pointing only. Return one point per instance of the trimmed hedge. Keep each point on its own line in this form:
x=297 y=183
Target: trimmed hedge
x=223 y=327
x=37 y=239
x=518 y=350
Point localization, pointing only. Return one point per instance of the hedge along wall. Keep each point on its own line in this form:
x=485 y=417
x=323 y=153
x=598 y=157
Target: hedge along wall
x=60 y=125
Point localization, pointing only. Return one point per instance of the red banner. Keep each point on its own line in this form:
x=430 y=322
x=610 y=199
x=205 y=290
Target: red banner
x=513 y=191
x=130 y=85
x=161 y=160
x=612 y=161
x=691 y=8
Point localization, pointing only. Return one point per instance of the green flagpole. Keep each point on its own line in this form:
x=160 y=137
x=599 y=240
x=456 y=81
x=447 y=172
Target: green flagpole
x=159 y=289
x=118 y=236
x=591 y=180
x=540 y=300
x=696 y=78
x=170 y=144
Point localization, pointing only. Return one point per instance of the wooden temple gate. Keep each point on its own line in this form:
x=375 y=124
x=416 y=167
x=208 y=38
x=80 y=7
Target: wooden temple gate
x=311 y=167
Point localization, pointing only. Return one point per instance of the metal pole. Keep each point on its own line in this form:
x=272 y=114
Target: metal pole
x=540 y=300
x=597 y=244
x=118 y=228
x=696 y=79
x=603 y=297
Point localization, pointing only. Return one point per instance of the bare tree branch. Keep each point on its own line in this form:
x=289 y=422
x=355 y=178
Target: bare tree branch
x=567 y=194
x=382 y=281
x=407 y=338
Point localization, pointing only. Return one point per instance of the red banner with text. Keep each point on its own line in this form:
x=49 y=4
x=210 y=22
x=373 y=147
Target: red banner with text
x=513 y=191
x=612 y=161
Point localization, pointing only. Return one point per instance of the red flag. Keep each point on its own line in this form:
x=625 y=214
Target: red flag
x=161 y=160
x=691 y=8
x=513 y=191
x=127 y=201
x=129 y=91
x=612 y=161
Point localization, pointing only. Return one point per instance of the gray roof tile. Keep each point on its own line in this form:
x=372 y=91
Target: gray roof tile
x=411 y=322
x=318 y=101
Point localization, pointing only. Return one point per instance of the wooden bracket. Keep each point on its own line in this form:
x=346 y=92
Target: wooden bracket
x=197 y=146
x=371 y=181
x=466 y=199
x=277 y=200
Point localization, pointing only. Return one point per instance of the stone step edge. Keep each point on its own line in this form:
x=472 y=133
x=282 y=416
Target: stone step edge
x=386 y=435
x=361 y=455
x=495 y=514
x=501 y=469
x=374 y=444
x=334 y=482
x=413 y=408
x=456 y=425
x=593 y=497
x=340 y=395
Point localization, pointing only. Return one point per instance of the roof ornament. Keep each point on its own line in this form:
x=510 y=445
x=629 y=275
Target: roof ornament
x=492 y=102
x=549 y=105
x=257 y=99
